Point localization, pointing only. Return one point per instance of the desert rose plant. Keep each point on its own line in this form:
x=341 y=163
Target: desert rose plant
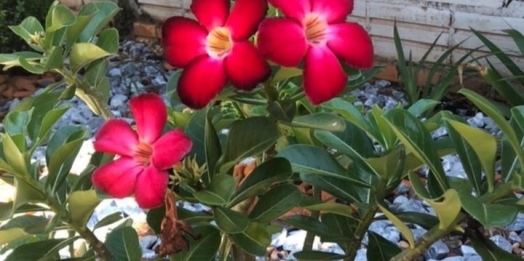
x=260 y=131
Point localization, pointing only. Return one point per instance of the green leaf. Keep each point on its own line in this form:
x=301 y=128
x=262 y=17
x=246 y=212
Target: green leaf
x=426 y=221
x=95 y=75
x=421 y=106
x=11 y=235
x=102 y=13
x=30 y=66
x=123 y=244
x=74 y=31
x=334 y=208
x=15 y=122
x=15 y=159
x=205 y=248
x=249 y=137
x=27 y=190
x=320 y=121
x=218 y=192
x=55 y=59
x=81 y=206
x=196 y=131
x=489 y=251
x=108 y=40
x=309 y=224
x=285 y=73
x=58 y=17
x=266 y=174
x=61 y=153
x=447 y=208
x=317 y=256
x=380 y=249
x=306 y=159
x=491 y=111
x=230 y=221
x=418 y=141
x=28 y=27
x=275 y=203
x=212 y=148
x=110 y=219
x=84 y=53
x=34 y=250
x=484 y=146
x=404 y=230
x=489 y=215
x=254 y=240
x=49 y=120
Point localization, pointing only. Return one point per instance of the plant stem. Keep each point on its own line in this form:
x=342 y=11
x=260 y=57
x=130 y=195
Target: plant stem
x=434 y=234
x=310 y=237
x=224 y=248
x=94 y=243
x=360 y=231
x=239 y=254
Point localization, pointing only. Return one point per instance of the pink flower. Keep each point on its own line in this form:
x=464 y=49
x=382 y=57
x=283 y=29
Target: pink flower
x=215 y=49
x=144 y=155
x=316 y=32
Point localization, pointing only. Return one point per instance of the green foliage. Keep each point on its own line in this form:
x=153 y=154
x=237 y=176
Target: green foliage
x=13 y=12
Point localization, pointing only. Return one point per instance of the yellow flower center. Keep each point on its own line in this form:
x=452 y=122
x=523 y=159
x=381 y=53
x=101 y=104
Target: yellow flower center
x=218 y=42
x=142 y=153
x=315 y=28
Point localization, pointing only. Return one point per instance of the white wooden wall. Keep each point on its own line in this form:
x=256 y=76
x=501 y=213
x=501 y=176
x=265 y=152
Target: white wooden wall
x=419 y=23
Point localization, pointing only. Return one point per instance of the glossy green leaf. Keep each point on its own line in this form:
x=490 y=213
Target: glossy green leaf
x=74 y=31
x=58 y=17
x=123 y=244
x=108 y=40
x=196 y=131
x=418 y=141
x=101 y=13
x=85 y=53
x=317 y=256
x=230 y=221
x=203 y=249
x=27 y=190
x=285 y=73
x=380 y=249
x=254 y=240
x=334 y=208
x=404 y=230
x=489 y=215
x=28 y=27
x=49 y=121
x=219 y=191
x=473 y=140
x=309 y=224
x=249 y=137
x=109 y=219
x=9 y=235
x=275 y=203
x=386 y=137
x=426 y=221
x=489 y=251
x=55 y=59
x=14 y=157
x=491 y=111
x=61 y=152
x=341 y=228
x=320 y=121
x=447 y=208
x=31 y=66
x=34 y=250
x=212 y=148
x=81 y=206
x=15 y=122
x=307 y=159
x=266 y=174
x=421 y=106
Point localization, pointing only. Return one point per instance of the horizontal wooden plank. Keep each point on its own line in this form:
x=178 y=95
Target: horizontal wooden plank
x=161 y=13
x=385 y=48
x=486 y=23
x=164 y=3
x=484 y=3
x=410 y=32
x=411 y=14
x=469 y=41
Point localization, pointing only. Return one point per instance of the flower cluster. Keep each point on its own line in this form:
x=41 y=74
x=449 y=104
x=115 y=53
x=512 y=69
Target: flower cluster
x=216 y=49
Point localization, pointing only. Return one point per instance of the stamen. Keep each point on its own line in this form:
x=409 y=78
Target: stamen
x=142 y=153
x=219 y=42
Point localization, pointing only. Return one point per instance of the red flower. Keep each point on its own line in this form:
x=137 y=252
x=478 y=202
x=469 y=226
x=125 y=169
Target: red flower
x=316 y=31
x=145 y=155
x=215 y=49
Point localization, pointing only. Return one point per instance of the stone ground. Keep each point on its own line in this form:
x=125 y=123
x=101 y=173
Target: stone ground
x=139 y=68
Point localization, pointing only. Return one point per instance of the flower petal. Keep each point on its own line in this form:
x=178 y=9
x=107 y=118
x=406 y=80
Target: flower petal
x=334 y=11
x=324 y=77
x=151 y=187
x=170 y=149
x=118 y=177
x=296 y=9
x=150 y=116
x=245 y=17
x=201 y=81
x=183 y=40
x=282 y=41
x=352 y=43
x=211 y=13
x=245 y=67
x=116 y=137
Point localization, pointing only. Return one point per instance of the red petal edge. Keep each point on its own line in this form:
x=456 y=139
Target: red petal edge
x=150 y=116
x=245 y=17
x=116 y=137
x=170 y=149
x=117 y=178
x=183 y=40
x=151 y=187
x=245 y=67
x=211 y=13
